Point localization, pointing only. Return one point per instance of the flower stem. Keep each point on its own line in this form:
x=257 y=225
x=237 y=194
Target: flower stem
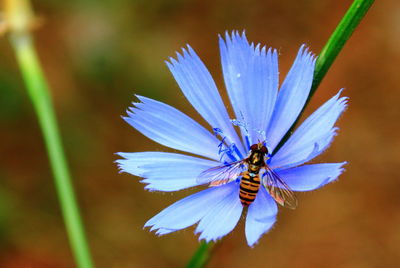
x=201 y=256
x=342 y=33
x=19 y=20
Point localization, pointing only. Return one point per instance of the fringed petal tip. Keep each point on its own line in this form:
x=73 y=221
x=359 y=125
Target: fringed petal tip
x=158 y=231
x=341 y=169
x=133 y=109
x=235 y=39
x=341 y=100
x=163 y=231
x=134 y=105
x=118 y=161
x=252 y=242
x=154 y=186
x=149 y=187
x=202 y=236
x=305 y=53
x=208 y=239
x=334 y=176
x=121 y=165
x=186 y=53
x=234 y=34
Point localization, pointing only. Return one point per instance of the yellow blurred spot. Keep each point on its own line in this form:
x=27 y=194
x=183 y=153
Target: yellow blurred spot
x=17 y=17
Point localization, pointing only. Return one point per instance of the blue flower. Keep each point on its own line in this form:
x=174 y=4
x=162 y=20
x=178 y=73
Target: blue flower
x=262 y=114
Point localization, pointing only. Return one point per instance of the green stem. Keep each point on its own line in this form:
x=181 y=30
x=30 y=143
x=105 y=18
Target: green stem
x=342 y=33
x=201 y=256
x=39 y=94
x=325 y=59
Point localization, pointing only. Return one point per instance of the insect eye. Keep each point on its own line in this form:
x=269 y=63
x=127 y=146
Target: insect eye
x=254 y=147
x=264 y=150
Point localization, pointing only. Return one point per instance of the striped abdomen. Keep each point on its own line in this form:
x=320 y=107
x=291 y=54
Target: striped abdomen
x=249 y=186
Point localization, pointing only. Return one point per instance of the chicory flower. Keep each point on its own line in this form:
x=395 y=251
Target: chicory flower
x=262 y=113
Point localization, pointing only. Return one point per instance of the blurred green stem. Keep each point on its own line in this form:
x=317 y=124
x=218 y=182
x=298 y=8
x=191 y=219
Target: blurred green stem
x=201 y=256
x=19 y=19
x=342 y=33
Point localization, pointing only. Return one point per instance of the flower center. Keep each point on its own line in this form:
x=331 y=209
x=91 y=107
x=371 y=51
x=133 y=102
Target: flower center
x=229 y=151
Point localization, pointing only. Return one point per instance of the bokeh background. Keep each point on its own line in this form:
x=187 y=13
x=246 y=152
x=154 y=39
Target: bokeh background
x=97 y=54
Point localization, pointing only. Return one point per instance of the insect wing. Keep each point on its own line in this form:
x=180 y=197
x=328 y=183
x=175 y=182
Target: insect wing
x=220 y=175
x=278 y=189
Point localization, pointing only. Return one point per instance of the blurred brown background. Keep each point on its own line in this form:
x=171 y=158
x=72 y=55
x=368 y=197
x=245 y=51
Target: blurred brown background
x=97 y=54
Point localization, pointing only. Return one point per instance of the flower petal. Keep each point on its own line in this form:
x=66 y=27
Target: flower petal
x=165 y=171
x=313 y=136
x=162 y=231
x=251 y=78
x=199 y=88
x=170 y=127
x=292 y=96
x=190 y=210
x=223 y=216
x=310 y=177
x=261 y=216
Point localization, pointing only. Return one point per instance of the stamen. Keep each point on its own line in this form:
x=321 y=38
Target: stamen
x=238 y=153
x=261 y=135
x=247 y=140
x=217 y=131
x=225 y=151
x=244 y=127
x=224 y=148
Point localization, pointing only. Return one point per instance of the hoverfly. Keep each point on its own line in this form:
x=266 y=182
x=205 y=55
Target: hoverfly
x=250 y=178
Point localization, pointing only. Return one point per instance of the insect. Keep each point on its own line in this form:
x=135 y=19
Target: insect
x=250 y=179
